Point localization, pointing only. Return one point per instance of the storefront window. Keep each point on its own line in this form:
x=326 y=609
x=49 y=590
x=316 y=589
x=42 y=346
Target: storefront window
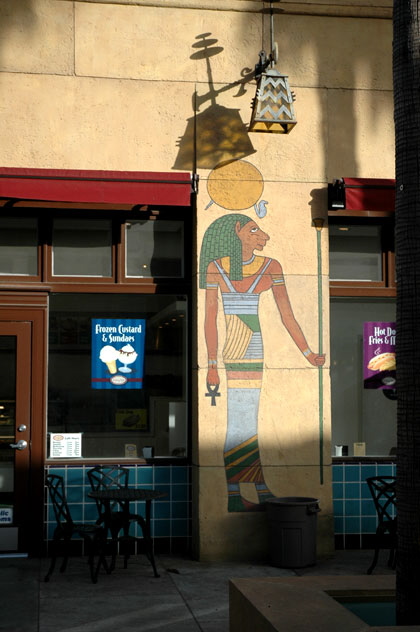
x=355 y=252
x=362 y=289
x=119 y=421
x=359 y=415
x=82 y=248
x=18 y=246
x=154 y=248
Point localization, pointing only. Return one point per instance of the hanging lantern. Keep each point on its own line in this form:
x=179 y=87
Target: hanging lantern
x=272 y=109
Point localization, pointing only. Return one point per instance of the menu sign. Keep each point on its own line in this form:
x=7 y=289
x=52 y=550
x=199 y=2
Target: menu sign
x=6 y=514
x=65 y=445
x=117 y=353
x=379 y=368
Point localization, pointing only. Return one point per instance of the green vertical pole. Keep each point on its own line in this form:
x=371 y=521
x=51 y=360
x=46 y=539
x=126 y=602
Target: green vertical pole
x=320 y=351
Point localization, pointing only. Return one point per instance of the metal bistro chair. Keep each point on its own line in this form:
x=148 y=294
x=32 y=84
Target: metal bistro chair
x=382 y=489
x=116 y=477
x=93 y=534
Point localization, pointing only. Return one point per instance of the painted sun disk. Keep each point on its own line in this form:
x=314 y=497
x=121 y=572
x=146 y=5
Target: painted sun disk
x=237 y=185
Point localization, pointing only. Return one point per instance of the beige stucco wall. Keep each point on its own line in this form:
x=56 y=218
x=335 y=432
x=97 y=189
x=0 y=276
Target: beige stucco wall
x=112 y=85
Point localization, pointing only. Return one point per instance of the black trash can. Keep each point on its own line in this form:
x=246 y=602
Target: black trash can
x=292 y=525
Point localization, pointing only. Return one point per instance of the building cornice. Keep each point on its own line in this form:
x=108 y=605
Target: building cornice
x=357 y=9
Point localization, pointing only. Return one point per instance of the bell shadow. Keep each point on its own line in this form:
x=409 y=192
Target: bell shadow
x=216 y=134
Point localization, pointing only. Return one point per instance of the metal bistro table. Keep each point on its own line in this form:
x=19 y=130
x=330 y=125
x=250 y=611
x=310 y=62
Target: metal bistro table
x=124 y=496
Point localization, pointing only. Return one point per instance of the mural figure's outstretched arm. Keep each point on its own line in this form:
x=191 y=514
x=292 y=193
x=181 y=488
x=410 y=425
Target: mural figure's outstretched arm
x=288 y=319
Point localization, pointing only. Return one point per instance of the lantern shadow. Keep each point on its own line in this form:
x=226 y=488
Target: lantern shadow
x=216 y=134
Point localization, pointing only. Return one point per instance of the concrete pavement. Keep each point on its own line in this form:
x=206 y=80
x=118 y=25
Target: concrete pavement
x=189 y=596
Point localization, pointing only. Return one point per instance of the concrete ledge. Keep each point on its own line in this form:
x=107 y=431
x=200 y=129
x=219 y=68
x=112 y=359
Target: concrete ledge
x=299 y=604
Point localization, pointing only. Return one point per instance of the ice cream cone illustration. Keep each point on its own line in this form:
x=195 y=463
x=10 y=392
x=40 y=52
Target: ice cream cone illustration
x=112 y=366
x=109 y=355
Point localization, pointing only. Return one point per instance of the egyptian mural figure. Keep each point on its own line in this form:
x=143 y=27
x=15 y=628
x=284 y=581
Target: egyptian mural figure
x=229 y=264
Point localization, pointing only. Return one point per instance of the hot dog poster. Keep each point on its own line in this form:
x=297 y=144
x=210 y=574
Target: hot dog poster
x=117 y=353
x=379 y=367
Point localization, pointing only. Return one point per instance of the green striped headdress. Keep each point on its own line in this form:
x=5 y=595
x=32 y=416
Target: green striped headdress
x=221 y=240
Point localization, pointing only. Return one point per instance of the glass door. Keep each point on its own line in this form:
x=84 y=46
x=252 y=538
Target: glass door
x=15 y=400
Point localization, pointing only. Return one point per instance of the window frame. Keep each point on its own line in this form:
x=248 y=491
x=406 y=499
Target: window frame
x=155 y=214
x=22 y=278
x=159 y=459
x=385 y=287
x=118 y=282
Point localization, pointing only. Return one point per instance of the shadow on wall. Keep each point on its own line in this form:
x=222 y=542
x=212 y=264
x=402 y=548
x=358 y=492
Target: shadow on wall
x=217 y=133
x=343 y=156
x=245 y=535
x=17 y=17
x=17 y=13
x=319 y=205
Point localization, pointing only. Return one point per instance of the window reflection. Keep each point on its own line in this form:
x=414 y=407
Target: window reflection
x=358 y=414
x=19 y=246
x=154 y=248
x=82 y=249
x=355 y=252
x=112 y=420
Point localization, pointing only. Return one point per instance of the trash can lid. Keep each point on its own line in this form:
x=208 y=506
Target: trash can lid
x=292 y=500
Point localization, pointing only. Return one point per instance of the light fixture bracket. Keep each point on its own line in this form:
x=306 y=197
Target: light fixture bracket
x=272 y=107
x=263 y=63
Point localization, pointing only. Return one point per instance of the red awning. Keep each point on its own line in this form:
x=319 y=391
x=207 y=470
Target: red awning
x=105 y=187
x=362 y=194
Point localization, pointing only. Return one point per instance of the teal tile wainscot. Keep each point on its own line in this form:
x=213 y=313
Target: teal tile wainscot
x=355 y=519
x=171 y=516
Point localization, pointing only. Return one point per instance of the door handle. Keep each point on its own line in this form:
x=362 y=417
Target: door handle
x=20 y=445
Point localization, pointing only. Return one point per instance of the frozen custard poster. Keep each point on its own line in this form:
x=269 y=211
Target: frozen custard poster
x=118 y=353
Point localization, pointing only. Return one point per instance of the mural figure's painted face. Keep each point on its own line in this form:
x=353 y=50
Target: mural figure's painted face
x=252 y=237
